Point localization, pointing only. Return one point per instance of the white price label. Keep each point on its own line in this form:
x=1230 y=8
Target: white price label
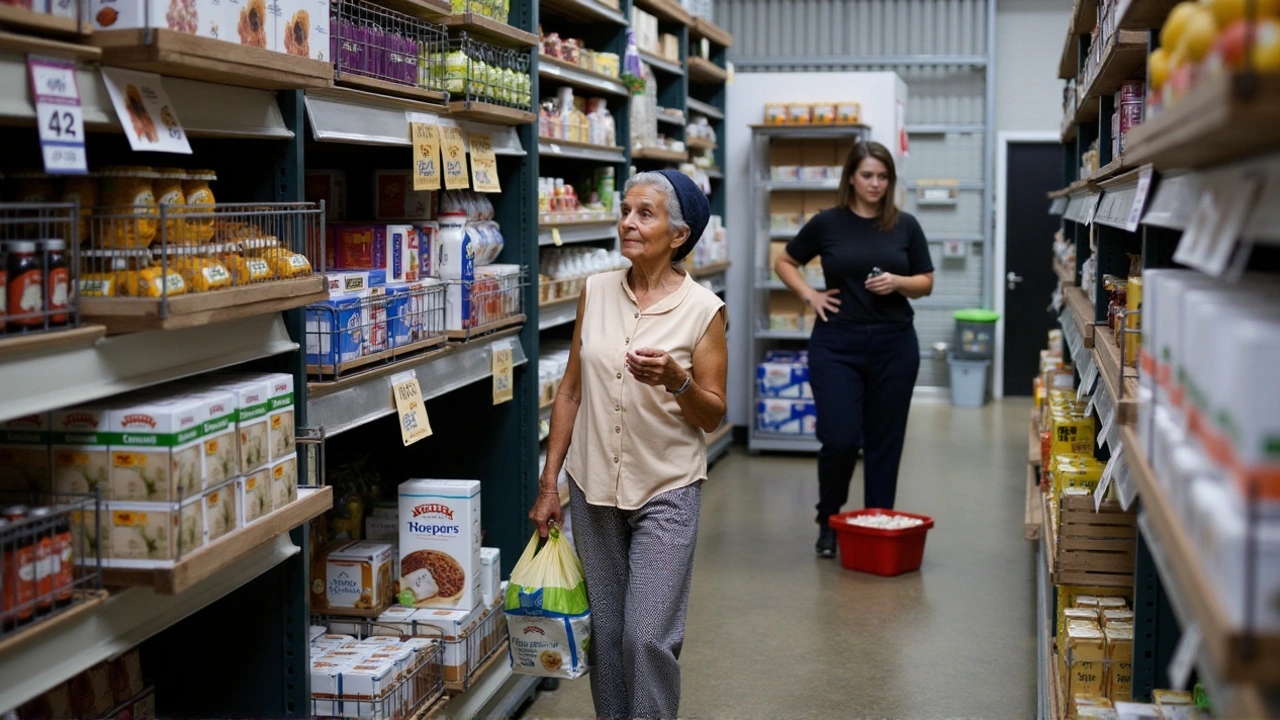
x=59 y=119
x=1139 y=198
x=1107 y=422
x=1093 y=400
x=1184 y=656
x=1124 y=483
x=1235 y=208
x=1093 y=201
x=1100 y=493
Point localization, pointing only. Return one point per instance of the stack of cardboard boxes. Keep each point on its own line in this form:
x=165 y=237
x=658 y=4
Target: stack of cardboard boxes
x=785 y=404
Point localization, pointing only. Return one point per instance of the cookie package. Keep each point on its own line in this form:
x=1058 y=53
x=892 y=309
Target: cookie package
x=440 y=543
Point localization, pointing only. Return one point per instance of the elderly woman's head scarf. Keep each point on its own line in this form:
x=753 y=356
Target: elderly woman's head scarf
x=687 y=206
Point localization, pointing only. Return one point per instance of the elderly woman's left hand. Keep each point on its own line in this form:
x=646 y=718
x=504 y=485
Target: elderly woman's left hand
x=655 y=367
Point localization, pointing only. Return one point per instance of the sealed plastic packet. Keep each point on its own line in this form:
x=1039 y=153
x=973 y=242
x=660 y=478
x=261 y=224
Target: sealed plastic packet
x=548 y=616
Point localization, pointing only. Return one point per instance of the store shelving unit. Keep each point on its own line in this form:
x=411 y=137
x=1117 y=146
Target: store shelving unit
x=1191 y=157
x=762 y=191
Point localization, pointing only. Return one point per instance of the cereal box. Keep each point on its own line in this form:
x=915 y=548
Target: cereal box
x=440 y=542
x=153 y=531
x=256 y=500
x=284 y=481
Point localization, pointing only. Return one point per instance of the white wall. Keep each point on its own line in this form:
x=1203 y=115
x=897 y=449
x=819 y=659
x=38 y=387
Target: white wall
x=746 y=97
x=1029 y=38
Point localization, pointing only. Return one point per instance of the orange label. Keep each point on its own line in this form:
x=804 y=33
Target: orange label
x=275 y=422
x=68 y=458
x=128 y=517
x=127 y=459
x=211 y=447
x=251 y=482
x=279 y=471
x=213 y=499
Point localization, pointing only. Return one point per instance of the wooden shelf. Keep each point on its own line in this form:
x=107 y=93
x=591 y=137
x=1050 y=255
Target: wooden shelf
x=703 y=27
x=50 y=340
x=437 y=10
x=226 y=551
x=1082 y=311
x=660 y=155
x=490 y=113
x=1225 y=643
x=666 y=11
x=177 y=54
x=23 y=44
x=121 y=315
x=1050 y=538
x=1115 y=168
x=1084 y=16
x=1096 y=547
x=1107 y=356
x=1144 y=14
x=91 y=599
x=1214 y=124
x=662 y=64
x=484 y=28
x=700 y=144
x=1065 y=275
x=386 y=87
x=1069 y=63
x=1056 y=709
x=578 y=223
x=1124 y=58
x=15 y=16
x=415 y=350
x=1088 y=111
x=580 y=145
x=1033 y=521
x=708 y=270
x=571 y=74
x=705 y=72
x=584 y=11
x=1069 y=128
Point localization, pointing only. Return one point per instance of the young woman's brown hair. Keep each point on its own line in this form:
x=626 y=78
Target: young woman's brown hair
x=888 y=211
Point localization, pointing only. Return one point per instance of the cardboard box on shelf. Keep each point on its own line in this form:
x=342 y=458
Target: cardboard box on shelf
x=81 y=455
x=815 y=201
x=1086 y=662
x=1119 y=661
x=395 y=199
x=152 y=531
x=284 y=481
x=126 y=676
x=256 y=501
x=786 y=157
x=130 y=14
x=783 y=380
x=786 y=311
x=454 y=624
x=157 y=455
x=818 y=154
x=440 y=542
x=357 y=575
x=786 y=417
x=221 y=511
x=336 y=329
x=247 y=22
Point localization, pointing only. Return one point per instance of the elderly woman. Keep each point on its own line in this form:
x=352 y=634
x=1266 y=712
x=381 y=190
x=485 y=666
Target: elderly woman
x=645 y=380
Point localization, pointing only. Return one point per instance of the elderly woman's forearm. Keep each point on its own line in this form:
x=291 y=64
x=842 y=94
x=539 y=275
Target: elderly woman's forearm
x=563 y=415
x=702 y=408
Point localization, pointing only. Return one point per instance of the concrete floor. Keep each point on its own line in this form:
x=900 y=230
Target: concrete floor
x=775 y=632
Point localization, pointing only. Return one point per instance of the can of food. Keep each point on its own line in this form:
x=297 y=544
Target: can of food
x=1132 y=90
x=42 y=538
x=14 y=513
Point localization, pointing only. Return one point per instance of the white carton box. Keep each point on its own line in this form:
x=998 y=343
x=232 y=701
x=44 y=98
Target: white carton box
x=490 y=574
x=440 y=542
x=284 y=482
x=221 y=446
x=178 y=15
x=255 y=495
x=247 y=22
x=368 y=680
x=396 y=619
x=359 y=575
x=156 y=453
x=152 y=531
x=81 y=455
x=455 y=624
x=211 y=20
x=280 y=407
x=252 y=409
x=221 y=511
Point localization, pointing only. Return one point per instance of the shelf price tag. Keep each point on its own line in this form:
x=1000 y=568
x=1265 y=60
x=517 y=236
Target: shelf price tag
x=425 y=137
x=143 y=107
x=453 y=145
x=1107 y=422
x=1139 y=198
x=1100 y=493
x=484 y=164
x=1184 y=656
x=503 y=387
x=410 y=407
x=1236 y=207
x=59 y=118
x=555 y=237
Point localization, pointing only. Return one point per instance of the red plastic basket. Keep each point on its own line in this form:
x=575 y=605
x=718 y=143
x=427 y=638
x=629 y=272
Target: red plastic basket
x=880 y=552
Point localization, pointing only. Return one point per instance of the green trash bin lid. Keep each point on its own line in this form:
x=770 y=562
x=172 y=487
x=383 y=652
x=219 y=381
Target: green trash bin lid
x=977 y=315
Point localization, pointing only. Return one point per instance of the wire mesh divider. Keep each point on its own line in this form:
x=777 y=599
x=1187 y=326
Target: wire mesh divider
x=373 y=43
x=162 y=251
x=491 y=302
x=477 y=71
x=480 y=643
x=498 y=10
x=50 y=559
x=43 y=240
x=387 y=325
x=417 y=688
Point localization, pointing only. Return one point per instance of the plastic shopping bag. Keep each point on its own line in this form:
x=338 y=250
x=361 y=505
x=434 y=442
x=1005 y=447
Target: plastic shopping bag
x=548 y=616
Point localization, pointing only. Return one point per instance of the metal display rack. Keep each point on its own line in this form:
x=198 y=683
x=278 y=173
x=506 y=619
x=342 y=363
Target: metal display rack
x=763 y=335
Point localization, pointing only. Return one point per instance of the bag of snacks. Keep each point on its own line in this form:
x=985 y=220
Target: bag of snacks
x=548 y=616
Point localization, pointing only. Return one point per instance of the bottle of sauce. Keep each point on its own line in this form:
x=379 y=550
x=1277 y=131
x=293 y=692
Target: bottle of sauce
x=25 y=287
x=57 y=281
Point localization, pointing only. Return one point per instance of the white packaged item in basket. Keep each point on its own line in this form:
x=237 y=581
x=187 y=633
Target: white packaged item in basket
x=156 y=453
x=490 y=574
x=422 y=648
x=440 y=542
x=221 y=514
x=138 y=534
x=81 y=455
x=549 y=646
x=456 y=626
x=284 y=482
x=359 y=575
x=255 y=495
x=397 y=620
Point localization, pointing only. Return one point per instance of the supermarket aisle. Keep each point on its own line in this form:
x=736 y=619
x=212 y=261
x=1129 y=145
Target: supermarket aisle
x=775 y=632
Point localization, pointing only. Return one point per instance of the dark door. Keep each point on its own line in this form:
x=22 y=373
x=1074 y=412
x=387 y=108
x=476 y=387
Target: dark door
x=1034 y=170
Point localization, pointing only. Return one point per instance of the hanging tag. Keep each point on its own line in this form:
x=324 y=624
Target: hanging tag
x=1093 y=201
x=1110 y=419
x=453 y=145
x=1184 y=656
x=59 y=118
x=1203 y=218
x=145 y=112
x=1100 y=492
x=1235 y=208
x=1093 y=399
x=503 y=388
x=410 y=407
x=1140 y=198
x=555 y=237
x=1124 y=483
x=425 y=137
x=484 y=164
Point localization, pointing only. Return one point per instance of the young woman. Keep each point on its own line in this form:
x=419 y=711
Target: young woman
x=863 y=354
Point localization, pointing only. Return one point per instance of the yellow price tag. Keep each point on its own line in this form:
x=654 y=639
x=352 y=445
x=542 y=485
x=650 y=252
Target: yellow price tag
x=454 y=148
x=426 y=156
x=555 y=237
x=503 y=387
x=411 y=408
x=484 y=164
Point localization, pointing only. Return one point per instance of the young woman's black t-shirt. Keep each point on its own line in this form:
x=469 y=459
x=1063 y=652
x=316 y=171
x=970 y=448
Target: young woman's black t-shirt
x=850 y=246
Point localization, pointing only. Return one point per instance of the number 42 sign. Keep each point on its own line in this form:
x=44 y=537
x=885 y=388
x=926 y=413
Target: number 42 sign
x=58 y=115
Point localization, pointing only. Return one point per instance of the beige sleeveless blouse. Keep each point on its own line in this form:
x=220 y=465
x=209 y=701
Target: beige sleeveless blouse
x=630 y=440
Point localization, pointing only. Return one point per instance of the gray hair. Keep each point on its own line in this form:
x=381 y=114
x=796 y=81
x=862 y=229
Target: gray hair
x=675 y=215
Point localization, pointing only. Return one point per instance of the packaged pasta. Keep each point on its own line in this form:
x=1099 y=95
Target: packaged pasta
x=243 y=269
x=130 y=208
x=200 y=203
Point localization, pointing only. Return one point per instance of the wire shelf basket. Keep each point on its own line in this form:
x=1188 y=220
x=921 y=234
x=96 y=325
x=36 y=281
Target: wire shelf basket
x=372 y=43
x=51 y=567
x=498 y=10
x=477 y=71
x=344 y=334
x=39 y=263
x=491 y=302
x=558 y=291
x=418 y=683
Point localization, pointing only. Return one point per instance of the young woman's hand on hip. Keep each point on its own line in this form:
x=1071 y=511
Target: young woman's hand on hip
x=824 y=303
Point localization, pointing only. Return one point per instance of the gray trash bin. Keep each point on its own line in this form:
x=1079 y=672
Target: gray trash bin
x=968 y=382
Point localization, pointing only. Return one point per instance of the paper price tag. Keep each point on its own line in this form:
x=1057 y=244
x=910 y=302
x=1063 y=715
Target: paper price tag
x=410 y=407
x=143 y=107
x=1093 y=208
x=1235 y=209
x=426 y=156
x=484 y=164
x=1124 y=483
x=555 y=237
x=1093 y=400
x=1139 y=198
x=1204 y=217
x=453 y=146
x=503 y=387
x=1107 y=422
x=59 y=118
x=1100 y=492
x=1184 y=656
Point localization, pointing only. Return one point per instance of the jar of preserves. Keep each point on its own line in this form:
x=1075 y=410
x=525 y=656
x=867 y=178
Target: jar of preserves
x=200 y=202
x=168 y=192
x=129 y=213
x=57 y=281
x=25 y=287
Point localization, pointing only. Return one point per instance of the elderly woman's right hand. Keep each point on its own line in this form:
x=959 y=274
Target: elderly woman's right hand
x=546 y=509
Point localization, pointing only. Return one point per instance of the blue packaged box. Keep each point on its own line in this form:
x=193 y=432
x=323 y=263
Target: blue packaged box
x=377 y=278
x=787 y=417
x=335 y=329
x=783 y=380
x=404 y=317
x=787 y=356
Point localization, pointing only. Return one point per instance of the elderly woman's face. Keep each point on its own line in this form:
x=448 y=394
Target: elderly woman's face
x=644 y=229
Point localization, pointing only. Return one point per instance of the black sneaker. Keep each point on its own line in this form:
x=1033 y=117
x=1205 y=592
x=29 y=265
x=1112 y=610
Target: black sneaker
x=826 y=545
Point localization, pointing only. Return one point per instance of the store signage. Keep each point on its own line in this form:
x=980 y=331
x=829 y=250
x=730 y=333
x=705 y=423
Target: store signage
x=58 y=115
x=145 y=111
x=424 y=135
x=453 y=146
x=410 y=407
x=484 y=164
x=503 y=388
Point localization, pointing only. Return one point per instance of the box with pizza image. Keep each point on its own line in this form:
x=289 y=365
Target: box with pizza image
x=440 y=543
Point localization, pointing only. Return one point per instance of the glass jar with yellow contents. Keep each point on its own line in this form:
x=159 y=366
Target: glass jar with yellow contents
x=244 y=269
x=168 y=192
x=128 y=215
x=199 y=267
x=127 y=273
x=200 y=203
x=285 y=263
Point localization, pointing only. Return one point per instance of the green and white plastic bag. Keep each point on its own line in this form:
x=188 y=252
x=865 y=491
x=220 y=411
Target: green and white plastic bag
x=548 y=616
